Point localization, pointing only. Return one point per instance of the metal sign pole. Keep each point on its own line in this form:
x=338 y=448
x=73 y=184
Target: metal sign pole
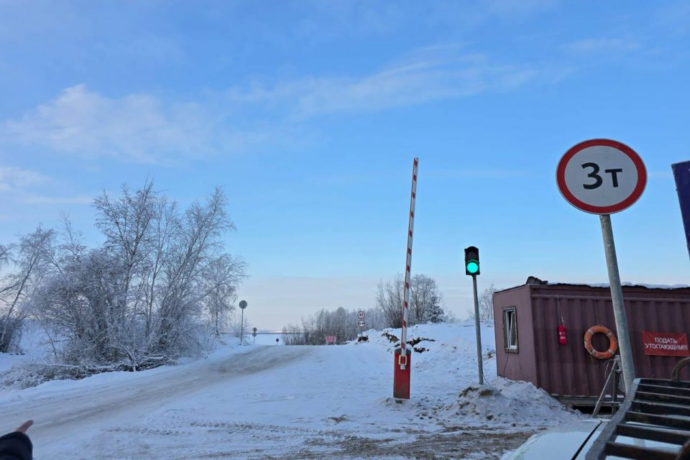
x=617 y=299
x=243 y=305
x=242 y=329
x=681 y=172
x=480 y=364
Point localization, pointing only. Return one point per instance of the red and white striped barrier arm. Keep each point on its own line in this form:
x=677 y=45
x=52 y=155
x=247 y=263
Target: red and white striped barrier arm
x=408 y=266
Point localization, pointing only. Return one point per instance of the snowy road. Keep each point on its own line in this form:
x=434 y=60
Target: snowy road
x=289 y=403
x=64 y=415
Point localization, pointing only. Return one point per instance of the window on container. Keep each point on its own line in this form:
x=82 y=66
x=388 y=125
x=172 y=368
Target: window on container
x=510 y=336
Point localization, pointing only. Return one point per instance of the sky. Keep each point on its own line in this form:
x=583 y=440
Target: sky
x=309 y=113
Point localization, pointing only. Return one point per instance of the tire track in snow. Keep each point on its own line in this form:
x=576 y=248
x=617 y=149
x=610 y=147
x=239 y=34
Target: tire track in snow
x=62 y=414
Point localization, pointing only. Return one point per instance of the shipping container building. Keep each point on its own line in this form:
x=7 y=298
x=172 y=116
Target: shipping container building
x=527 y=320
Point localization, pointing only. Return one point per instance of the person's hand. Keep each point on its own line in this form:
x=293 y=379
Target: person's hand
x=25 y=426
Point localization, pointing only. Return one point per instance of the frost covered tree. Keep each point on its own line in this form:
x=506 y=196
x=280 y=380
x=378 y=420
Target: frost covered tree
x=389 y=299
x=435 y=314
x=486 y=304
x=425 y=300
x=140 y=299
x=239 y=328
x=221 y=280
x=341 y=323
x=26 y=265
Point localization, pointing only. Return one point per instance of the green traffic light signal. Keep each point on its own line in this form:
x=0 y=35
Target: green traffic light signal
x=472 y=261
x=472 y=267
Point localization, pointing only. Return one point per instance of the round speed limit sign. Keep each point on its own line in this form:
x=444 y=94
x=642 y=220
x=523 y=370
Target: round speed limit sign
x=601 y=176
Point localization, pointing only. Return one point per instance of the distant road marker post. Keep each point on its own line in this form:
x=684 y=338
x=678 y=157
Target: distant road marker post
x=402 y=364
x=360 y=322
x=243 y=305
x=602 y=176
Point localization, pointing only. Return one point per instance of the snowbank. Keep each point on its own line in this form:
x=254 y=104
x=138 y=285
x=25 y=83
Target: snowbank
x=445 y=389
x=508 y=402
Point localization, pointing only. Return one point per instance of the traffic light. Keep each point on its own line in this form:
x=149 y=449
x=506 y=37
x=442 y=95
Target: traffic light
x=472 y=261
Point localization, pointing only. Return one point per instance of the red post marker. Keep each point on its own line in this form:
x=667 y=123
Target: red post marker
x=402 y=374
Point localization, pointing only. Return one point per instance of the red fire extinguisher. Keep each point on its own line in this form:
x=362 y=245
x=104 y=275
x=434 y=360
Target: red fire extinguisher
x=562 y=338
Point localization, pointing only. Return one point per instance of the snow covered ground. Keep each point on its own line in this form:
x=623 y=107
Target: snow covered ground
x=33 y=344
x=291 y=402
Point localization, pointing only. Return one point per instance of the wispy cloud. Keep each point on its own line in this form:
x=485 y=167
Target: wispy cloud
x=12 y=178
x=481 y=173
x=674 y=17
x=135 y=128
x=29 y=187
x=425 y=76
x=326 y=21
x=513 y=8
x=602 y=45
x=51 y=199
x=143 y=128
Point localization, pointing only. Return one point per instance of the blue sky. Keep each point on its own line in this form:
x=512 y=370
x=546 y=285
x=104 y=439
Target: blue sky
x=309 y=113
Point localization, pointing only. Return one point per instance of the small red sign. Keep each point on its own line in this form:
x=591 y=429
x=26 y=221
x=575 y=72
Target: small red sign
x=330 y=340
x=665 y=344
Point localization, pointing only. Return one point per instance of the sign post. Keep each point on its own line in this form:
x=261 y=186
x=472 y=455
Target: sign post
x=243 y=305
x=681 y=172
x=602 y=176
x=360 y=322
x=403 y=357
x=254 y=334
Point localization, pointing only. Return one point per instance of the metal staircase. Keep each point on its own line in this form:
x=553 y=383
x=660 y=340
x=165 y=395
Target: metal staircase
x=652 y=423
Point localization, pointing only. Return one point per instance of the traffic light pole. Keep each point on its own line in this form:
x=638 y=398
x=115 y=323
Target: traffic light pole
x=480 y=364
x=617 y=300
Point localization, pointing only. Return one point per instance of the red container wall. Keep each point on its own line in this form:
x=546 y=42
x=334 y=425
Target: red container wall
x=569 y=370
x=521 y=365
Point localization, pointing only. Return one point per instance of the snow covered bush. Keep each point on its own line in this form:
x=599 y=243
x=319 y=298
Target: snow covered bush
x=139 y=300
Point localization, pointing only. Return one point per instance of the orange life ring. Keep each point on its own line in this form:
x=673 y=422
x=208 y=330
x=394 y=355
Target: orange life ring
x=613 y=343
